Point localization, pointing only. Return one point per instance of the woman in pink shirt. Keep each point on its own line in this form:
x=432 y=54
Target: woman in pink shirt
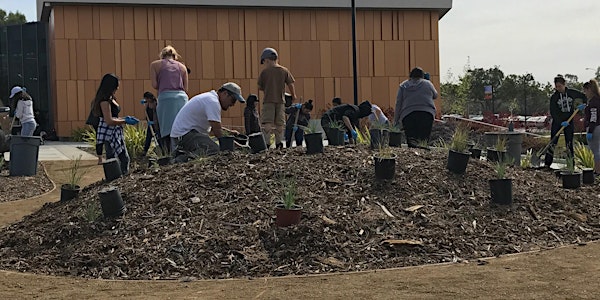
x=170 y=78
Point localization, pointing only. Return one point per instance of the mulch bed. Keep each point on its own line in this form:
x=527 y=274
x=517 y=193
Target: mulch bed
x=214 y=218
x=22 y=187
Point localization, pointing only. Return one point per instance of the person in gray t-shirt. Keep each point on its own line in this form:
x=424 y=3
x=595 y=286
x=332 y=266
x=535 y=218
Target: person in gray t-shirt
x=415 y=109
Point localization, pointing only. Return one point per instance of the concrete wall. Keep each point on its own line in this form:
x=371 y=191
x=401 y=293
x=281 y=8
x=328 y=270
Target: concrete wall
x=224 y=44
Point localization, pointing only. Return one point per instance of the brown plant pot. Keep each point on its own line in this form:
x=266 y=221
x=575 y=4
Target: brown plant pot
x=287 y=217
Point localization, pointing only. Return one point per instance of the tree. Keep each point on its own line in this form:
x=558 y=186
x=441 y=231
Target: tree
x=11 y=18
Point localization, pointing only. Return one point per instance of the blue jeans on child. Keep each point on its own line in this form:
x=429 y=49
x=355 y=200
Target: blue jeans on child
x=28 y=128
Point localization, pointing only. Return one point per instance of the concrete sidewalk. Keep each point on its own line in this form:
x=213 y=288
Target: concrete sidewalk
x=53 y=151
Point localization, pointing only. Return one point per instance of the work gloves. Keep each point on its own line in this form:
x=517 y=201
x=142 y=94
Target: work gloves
x=589 y=136
x=143 y=101
x=298 y=105
x=150 y=123
x=354 y=134
x=581 y=106
x=564 y=124
x=131 y=120
x=295 y=128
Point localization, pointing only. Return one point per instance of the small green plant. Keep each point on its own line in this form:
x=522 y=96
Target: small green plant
x=289 y=193
x=423 y=144
x=570 y=164
x=363 y=138
x=584 y=157
x=313 y=127
x=135 y=137
x=92 y=212
x=501 y=166
x=500 y=144
x=394 y=128
x=526 y=160
x=339 y=125
x=89 y=137
x=459 y=140
x=385 y=152
x=74 y=173
x=78 y=134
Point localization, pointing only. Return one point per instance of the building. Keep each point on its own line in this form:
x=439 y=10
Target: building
x=221 y=40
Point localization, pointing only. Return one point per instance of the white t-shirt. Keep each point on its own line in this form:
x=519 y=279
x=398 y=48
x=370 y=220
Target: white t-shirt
x=376 y=110
x=196 y=114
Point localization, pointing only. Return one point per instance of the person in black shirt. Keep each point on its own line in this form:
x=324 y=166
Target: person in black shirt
x=349 y=115
x=150 y=102
x=251 y=121
x=298 y=117
x=562 y=105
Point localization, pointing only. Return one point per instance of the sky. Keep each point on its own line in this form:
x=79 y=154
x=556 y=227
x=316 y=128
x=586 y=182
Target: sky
x=541 y=37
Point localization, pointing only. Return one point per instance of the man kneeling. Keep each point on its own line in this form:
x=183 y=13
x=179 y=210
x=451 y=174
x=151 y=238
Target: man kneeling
x=201 y=117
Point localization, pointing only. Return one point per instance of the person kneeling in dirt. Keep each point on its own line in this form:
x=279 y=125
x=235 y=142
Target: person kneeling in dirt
x=349 y=115
x=298 y=117
x=200 y=117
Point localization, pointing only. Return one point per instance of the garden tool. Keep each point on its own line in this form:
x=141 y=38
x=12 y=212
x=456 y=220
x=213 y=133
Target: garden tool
x=154 y=139
x=295 y=128
x=536 y=159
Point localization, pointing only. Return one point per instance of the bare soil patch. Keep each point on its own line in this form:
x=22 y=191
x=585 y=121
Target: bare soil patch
x=21 y=187
x=214 y=218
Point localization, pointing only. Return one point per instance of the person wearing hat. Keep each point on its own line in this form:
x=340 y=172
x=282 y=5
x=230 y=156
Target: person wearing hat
x=272 y=81
x=23 y=110
x=349 y=115
x=201 y=117
x=415 y=109
x=251 y=117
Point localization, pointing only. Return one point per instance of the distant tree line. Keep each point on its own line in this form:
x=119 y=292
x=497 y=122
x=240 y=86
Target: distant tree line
x=11 y=18
x=510 y=92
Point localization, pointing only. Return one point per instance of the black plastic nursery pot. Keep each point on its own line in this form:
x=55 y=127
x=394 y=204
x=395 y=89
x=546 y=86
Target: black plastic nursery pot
x=68 y=192
x=587 y=176
x=335 y=137
x=379 y=137
x=163 y=161
x=475 y=153
x=226 y=143
x=491 y=155
x=501 y=191
x=286 y=217
x=395 y=139
x=385 y=168
x=112 y=169
x=571 y=180
x=241 y=139
x=314 y=143
x=457 y=162
x=111 y=202
x=257 y=142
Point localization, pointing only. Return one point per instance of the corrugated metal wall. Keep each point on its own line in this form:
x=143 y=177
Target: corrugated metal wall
x=222 y=45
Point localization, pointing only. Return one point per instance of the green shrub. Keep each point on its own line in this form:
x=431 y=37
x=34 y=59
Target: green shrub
x=78 y=134
x=135 y=137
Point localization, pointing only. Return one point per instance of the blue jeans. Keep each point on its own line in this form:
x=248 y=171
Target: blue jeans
x=28 y=128
x=123 y=157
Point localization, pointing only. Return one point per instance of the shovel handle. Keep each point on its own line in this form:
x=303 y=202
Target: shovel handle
x=557 y=133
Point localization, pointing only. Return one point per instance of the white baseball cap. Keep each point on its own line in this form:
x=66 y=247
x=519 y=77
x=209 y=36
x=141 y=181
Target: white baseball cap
x=16 y=90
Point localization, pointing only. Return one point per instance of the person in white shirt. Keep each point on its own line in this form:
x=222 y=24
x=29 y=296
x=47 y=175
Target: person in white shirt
x=24 y=110
x=201 y=117
x=377 y=117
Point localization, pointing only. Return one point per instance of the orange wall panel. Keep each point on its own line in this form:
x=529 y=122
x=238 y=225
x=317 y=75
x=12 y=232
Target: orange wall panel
x=222 y=25
x=395 y=63
x=413 y=25
x=58 y=22
x=118 y=61
x=81 y=103
x=208 y=59
x=62 y=111
x=72 y=107
x=141 y=60
x=73 y=53
x=166 y=29
x=380 y=89
x=107 y=57
x=140 y=21
x=106 y=18
x=128 y=62
x=178 y=23
x=334 y=25
x=340 y=58
x=85 y=20
x=434 y=22
x=191 y=24
x=94 y=68
x=128 y=23
x=423 y=52
x=118 y=26
x=70 y=21
x=239 y=59
x=379 y=58
x=62 y=59
x=387 y=25
x=81 y=59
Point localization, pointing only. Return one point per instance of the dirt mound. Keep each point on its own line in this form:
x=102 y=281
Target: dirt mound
x=214 y=218
x=21 y=187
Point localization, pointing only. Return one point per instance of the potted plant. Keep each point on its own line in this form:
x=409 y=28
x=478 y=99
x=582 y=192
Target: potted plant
x=584 y=158
x=74 y=173
x=385 y=163
x=226 y=141
x=288 y=213
x=313 y=138
x=395 y=136
x=497 y=152
x=379 y=135
x=475 y=149
x=335 y=136
x=571 y=178
x=501 y=187
x=458 y=153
